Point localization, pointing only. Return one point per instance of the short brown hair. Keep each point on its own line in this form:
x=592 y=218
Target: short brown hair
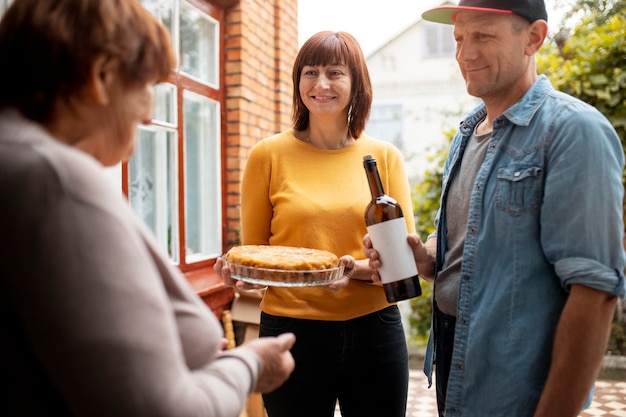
x=329 y=48
x=48 y=48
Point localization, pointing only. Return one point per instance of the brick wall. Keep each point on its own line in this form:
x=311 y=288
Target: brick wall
x=261 y=42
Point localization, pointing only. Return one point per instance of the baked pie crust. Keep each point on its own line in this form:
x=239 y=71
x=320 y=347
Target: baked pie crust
x=283 y=265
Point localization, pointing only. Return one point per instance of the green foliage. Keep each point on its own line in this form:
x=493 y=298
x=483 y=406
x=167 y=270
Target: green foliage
x=420 y=318
x=425 y=197
x=602 y=10
x=426 y=194
x=591 y=65
x=617 y=340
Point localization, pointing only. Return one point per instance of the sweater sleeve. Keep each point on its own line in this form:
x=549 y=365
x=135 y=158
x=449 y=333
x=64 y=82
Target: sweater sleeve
x=257 y=208
x=112 y=325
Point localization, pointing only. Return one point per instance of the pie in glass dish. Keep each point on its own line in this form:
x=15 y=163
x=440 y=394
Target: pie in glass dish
x=285 y=266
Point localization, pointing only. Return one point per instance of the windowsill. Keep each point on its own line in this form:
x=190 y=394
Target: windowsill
x=226 y=3
x=209 y=286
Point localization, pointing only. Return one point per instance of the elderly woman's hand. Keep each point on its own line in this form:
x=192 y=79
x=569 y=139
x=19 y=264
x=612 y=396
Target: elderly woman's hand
x=276 y=359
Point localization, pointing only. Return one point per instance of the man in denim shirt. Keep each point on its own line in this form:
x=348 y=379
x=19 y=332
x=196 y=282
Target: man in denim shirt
x=528 y=254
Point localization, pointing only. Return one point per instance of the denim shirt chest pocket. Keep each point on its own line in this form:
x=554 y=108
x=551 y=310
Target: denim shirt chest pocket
x=519 y=188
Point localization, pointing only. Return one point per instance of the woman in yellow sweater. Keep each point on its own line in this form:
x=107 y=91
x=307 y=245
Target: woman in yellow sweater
x=306 y=187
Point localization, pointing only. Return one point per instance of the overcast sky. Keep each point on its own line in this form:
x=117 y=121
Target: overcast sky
x=372 y=23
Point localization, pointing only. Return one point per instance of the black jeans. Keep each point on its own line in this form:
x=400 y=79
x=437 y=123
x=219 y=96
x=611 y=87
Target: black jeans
x=362 y=362
x=444 y=341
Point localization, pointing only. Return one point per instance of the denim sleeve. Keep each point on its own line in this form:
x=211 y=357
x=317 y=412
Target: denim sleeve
x=582 y=212
x=591 y=274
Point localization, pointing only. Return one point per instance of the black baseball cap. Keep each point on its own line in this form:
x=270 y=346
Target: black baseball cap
x=530 y=10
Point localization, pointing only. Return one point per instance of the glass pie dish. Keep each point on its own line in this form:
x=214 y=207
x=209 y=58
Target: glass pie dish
x=284 y=278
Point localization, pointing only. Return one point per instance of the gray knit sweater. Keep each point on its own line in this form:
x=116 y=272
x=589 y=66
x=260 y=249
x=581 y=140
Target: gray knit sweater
x=94 y=321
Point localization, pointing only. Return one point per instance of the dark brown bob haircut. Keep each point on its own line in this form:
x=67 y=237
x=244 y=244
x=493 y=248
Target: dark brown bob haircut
x=48 y=48
x=333 y=48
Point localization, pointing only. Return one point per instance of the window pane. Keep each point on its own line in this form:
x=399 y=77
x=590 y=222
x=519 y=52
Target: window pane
x=165 y=11
x=199 y=45
x=152 y=184
x=162 y=10
x=439 y=40
x=202 y=177
x=164 y=110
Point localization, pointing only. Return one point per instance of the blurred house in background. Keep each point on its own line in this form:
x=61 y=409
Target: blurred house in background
x=418 y=92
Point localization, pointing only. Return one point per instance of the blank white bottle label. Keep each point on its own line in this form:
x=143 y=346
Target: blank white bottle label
x=396 y=256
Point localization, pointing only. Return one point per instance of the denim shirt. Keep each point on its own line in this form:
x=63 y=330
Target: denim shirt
x=545 y=213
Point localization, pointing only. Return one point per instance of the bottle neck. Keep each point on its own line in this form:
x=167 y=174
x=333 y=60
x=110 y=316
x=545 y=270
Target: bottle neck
x=373 y=178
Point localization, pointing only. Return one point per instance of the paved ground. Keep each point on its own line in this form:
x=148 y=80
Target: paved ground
x=609 y=399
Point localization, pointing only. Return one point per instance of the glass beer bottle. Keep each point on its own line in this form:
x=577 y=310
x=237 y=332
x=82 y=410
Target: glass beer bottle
x=387 y=230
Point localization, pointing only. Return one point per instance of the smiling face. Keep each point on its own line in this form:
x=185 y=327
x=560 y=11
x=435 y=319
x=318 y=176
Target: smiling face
x=493 y=54
x=331 y=64
x=326 y=89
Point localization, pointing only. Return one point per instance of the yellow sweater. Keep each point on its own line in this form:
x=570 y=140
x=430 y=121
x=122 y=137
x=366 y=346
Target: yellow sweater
x=294 y=194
